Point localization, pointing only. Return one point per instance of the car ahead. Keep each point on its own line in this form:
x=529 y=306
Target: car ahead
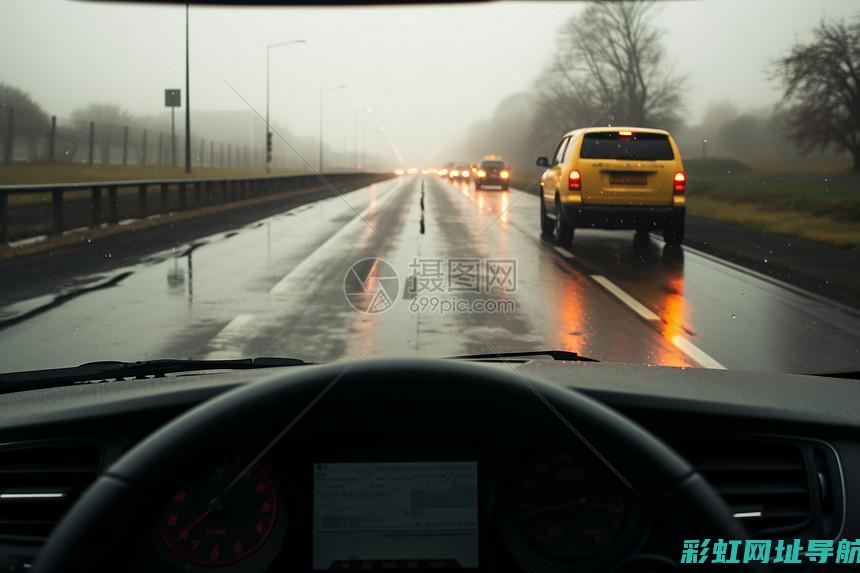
x=459 y=172
x=614 y=178
x=492 y=172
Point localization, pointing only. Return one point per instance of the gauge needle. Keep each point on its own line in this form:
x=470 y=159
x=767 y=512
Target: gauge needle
x=568 y=504
x=214 y=505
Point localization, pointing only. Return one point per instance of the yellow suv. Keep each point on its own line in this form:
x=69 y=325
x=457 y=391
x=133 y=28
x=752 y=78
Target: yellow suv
x=613 y=178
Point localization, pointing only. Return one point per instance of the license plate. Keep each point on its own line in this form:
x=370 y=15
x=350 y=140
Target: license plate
x=628 y=179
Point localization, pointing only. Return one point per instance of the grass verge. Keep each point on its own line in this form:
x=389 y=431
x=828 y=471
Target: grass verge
x=802 y=224
x=32 y=173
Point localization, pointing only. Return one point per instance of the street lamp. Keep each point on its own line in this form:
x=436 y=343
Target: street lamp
x=355 y=133
x=187 y=102
x=268 y=129
x=322 y=91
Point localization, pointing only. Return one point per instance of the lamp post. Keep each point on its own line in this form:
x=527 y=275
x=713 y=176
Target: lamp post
x=268 y=129
x=187 y=102
x=355 y=133
x=322 y=91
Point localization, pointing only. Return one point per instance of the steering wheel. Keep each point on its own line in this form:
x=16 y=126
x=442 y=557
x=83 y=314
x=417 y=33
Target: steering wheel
x=99 y=531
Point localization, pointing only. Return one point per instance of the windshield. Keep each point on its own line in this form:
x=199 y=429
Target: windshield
x=232 y=182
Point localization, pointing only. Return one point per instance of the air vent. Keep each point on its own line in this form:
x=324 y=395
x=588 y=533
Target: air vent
x=39 y=481
x=766 y=483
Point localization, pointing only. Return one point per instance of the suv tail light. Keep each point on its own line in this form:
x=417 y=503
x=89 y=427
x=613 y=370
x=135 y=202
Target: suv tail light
x=574 y=180
x=680 y=182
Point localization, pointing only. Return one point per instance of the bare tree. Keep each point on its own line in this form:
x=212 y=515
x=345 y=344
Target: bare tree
x=821 y=89
x=609 y=68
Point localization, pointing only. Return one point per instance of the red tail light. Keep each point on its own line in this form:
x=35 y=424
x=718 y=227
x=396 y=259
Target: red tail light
x=574 y=180
x=680 y=182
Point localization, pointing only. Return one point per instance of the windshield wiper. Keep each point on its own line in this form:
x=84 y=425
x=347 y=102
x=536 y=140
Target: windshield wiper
x=95 y=372
x=853 y=375
x=103 y=371
x=554 y=354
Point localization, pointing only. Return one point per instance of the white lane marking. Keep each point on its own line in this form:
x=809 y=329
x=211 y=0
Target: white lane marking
x=631 y=302
x=696 y=353
x=224 y=344
x=281 y=285
x=703 y=358
x=563 y=252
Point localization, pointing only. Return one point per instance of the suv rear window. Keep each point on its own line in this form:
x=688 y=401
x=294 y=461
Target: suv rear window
x=492 y=164
x=612 y=145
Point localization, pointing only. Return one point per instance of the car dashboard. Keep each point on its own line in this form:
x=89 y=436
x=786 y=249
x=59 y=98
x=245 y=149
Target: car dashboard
x=370 y=488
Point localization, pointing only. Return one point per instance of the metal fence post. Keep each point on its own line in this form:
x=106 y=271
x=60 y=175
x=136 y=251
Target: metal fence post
x=125 y=146
x=4 y=221
x=113 y=205
x=211 y=154
x=106 y=147
x=52 y=139
x=143 y=150
x=202 y=147
x=142 y=199
x=229 y=154
x=92 y=141
x=9 y=144
x=221 y=162
x=96 y=206
x=57 y=200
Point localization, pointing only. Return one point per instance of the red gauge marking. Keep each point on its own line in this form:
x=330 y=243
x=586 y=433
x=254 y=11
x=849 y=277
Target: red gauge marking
x=246 y=514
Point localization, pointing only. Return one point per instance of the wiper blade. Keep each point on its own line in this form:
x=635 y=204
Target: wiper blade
x=554 y=354
x=846 y=375
x=103 y=371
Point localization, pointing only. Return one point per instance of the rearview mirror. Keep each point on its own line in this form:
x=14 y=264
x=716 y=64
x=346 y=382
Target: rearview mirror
x=542 y=161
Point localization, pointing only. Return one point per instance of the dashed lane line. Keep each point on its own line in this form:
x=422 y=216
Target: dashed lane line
x=683 y=344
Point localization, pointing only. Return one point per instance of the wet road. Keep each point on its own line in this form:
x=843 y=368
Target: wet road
x=276 y=288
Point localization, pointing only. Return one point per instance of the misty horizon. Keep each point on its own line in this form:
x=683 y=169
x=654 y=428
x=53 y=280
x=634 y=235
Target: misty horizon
x=429 y=73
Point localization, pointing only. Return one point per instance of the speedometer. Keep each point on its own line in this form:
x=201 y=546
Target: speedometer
x=566 y=507
x=214 y=523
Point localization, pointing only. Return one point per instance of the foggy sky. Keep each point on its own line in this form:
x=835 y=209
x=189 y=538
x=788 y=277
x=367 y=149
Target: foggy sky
x=428 y=72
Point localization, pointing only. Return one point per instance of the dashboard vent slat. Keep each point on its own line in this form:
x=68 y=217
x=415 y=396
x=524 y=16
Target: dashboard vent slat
x=39 y=481
x=764 y=482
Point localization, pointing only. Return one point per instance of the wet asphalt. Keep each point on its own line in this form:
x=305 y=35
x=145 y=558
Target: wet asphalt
x=464 y=272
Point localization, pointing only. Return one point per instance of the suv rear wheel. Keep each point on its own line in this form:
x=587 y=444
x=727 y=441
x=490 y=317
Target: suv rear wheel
x=563 y=228
x=546 y=224
x=673 y=232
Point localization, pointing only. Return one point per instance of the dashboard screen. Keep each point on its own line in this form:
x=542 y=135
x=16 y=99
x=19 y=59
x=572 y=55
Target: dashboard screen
x=409 y=515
